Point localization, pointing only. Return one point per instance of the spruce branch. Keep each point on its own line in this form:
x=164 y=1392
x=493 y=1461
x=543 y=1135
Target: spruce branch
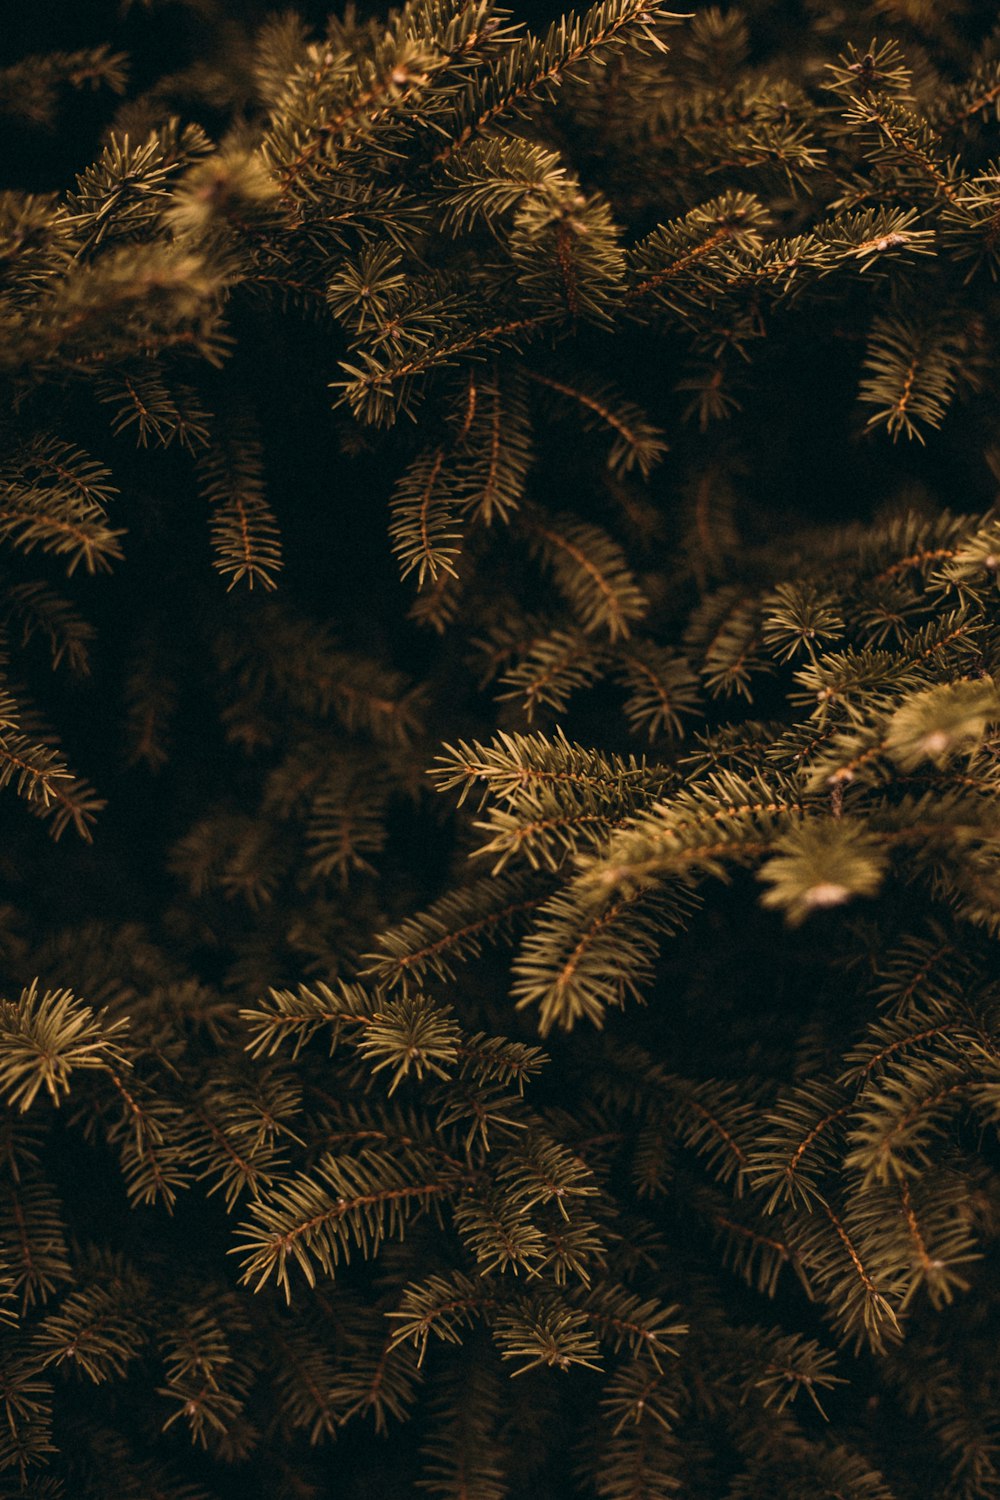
x=443 y=1305
x=912 y=370
x=822 y=865
x=453 y=930
x=636 y=442
x=312 y=1221
x=30 y=87
x=40 y=611
x=583 y=957
x=41 y=776
x=245 y=536
x=55 y=497
x=496 y=448
x=534 y=66
x=410 y=1036
x=45 y=1037
x=590 y=570
x=424 y=527
x=553 y=667
x=542 y=1333
x=661 y=687
x=100 y=1328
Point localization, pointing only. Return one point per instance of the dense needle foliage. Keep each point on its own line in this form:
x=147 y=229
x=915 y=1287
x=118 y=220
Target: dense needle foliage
x=500 y=754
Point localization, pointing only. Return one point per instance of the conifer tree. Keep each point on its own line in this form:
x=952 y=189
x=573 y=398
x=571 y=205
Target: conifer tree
x=500 y=753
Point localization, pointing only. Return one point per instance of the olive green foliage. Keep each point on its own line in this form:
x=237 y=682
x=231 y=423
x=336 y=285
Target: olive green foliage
x=500 y=749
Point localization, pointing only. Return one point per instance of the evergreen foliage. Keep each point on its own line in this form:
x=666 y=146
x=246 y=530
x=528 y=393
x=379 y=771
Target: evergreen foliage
x=499 y=638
